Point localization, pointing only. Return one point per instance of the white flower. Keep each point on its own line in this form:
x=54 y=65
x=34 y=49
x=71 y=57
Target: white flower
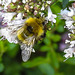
x=14 y=1
x=23 y=1
x=48 y=2
x=69 y=25
x=43 y=7
x=69 y=35
x=6 y=3
x=7 y=17
x=51 y=17
x=9 y=34
x=19 y=16
x=42 y=14
x=72 y=43
x=69 y=16
x=71 y=12
x=1 y=8
x=66 y=14
x=10 y=31
x=0 y=1
x=67 y=41
x=69 y=52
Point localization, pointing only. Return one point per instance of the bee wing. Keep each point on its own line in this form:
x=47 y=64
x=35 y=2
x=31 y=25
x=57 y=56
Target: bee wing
x=26 y=52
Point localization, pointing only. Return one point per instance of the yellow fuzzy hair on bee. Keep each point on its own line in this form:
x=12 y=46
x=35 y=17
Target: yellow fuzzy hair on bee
x=32 y=27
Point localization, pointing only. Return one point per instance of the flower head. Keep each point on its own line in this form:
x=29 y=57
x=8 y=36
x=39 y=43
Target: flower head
x=51 y=17
x=69 y=17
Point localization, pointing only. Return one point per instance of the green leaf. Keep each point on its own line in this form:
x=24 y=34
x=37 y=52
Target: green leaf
x=45 y=48
x=70 y=61
x=55 y=45
x=46 y=69
x=48 y=34
x=60 y=25
x=2 y=48
x=12 y=68
x=65 y=2
x=56 y=8
x=1 y=67
x=56 y=38
x=35 y=62
x=12 y=6
x=33 y=71
x=12 y=49
x=60 y=0
x=54 y=59
x=47 y=41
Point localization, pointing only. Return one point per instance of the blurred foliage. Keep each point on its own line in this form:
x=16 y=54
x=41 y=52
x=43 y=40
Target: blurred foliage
x=48 y=58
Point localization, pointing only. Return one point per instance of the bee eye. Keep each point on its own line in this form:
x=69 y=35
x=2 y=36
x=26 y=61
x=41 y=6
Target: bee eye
x=30 y=29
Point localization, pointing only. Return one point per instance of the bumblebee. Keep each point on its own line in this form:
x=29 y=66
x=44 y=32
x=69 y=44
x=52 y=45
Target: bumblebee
x=28 y=34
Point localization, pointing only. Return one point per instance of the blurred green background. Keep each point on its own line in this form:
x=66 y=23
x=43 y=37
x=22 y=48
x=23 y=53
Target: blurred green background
x=48 y=58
